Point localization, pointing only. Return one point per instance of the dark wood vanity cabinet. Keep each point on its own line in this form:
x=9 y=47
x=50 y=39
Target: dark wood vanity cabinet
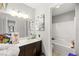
x=33 y=49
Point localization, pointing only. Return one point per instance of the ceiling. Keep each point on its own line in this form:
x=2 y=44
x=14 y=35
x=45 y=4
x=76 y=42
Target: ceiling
x=64 y=7
x=36 y=5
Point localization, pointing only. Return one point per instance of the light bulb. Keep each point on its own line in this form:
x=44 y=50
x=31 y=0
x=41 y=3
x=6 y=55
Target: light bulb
x=58 y=6
x=12 y=13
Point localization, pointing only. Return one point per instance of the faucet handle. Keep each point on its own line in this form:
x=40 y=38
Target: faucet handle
x=73 y=44
x=53 y=38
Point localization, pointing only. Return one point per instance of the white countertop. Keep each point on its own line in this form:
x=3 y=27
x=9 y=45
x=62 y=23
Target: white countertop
x=25 y=41
x=22 y=41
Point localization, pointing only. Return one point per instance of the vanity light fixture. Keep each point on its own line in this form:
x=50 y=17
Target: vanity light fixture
x=24 y=15
x=12 y=13
x=18 y=14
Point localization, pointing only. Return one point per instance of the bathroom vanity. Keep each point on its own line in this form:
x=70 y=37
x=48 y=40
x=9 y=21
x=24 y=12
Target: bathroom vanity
x=31 y=47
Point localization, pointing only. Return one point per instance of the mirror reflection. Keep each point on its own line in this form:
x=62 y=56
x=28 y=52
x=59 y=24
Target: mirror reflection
x=17 y=18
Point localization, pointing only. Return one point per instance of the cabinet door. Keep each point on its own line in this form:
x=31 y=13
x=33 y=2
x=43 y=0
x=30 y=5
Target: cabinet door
x=38 y=48
x=30 y=50
x=33 y=49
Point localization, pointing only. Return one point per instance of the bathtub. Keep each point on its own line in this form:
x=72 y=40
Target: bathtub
x=61 y=49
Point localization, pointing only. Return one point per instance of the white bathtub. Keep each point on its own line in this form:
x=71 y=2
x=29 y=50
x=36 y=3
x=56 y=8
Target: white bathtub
x=61 y=48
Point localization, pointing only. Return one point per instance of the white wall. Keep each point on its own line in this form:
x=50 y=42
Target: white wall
x=77 y=28
x=45 y=35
